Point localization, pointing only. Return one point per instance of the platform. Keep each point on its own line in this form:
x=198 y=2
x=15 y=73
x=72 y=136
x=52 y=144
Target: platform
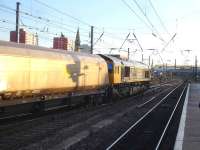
x=188 y=137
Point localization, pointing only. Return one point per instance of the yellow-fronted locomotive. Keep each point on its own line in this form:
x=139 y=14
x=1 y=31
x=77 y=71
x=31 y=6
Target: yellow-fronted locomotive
x=31 y=71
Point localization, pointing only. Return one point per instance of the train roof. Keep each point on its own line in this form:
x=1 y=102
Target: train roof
x=114 y=59
x=128 y=63
x=141 y=64
x=40 y=51
x=43 y=51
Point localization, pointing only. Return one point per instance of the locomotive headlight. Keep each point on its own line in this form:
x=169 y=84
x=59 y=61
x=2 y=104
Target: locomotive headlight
x=3 y=85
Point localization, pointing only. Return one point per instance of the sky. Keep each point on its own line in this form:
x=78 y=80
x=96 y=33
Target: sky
x=115 y=20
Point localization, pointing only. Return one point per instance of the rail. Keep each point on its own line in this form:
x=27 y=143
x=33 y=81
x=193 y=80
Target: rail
x=139 y=121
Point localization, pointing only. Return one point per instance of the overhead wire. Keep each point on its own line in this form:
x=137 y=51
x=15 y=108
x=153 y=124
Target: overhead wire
x=5 y=28
x=63 y=13
x=98 y=39
x=49 y=21
x=133 y=11
x=40 y=18
x=148 y=20
x=172 y=38
x=68 y=15
x=144 y=21
x=7 y=11
x=38 y=30
x=159 y=18
x=53 y=23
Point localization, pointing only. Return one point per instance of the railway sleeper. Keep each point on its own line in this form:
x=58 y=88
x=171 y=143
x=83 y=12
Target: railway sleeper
x=94 y=100
x=148 y=132
x=166 y=106
x=2 y=110
x=38 y=106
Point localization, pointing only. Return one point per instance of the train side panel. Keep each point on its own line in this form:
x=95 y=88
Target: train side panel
x=14 y=73
x=141 y=74
x=53 y=73
x=36 y=70
x=95 y=73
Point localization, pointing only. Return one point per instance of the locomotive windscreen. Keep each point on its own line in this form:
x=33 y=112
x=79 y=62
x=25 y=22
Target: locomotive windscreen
x=110 y=67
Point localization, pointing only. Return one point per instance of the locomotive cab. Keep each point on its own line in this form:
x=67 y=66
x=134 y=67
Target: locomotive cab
x=114 y=68
x=128 y=71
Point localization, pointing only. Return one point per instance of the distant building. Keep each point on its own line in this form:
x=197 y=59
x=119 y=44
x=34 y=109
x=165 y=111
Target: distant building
x=60 y=42
x=27 y=37
x=13 y=36
x=85 y=48
x=71 y=45
x=24 y=37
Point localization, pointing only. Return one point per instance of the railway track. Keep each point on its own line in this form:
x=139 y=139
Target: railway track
x=157 y=128
x=31 y=115
x=33 y=130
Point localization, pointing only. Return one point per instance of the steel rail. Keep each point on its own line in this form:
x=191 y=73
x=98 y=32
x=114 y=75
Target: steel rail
x=144 y=116
x=171 y=116
x=45 y=111
x=151 y=99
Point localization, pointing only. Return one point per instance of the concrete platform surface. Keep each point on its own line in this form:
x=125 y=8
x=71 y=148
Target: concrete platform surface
x=188 y=137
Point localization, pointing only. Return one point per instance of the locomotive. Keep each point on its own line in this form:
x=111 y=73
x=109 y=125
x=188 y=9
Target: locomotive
x=34 y=74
